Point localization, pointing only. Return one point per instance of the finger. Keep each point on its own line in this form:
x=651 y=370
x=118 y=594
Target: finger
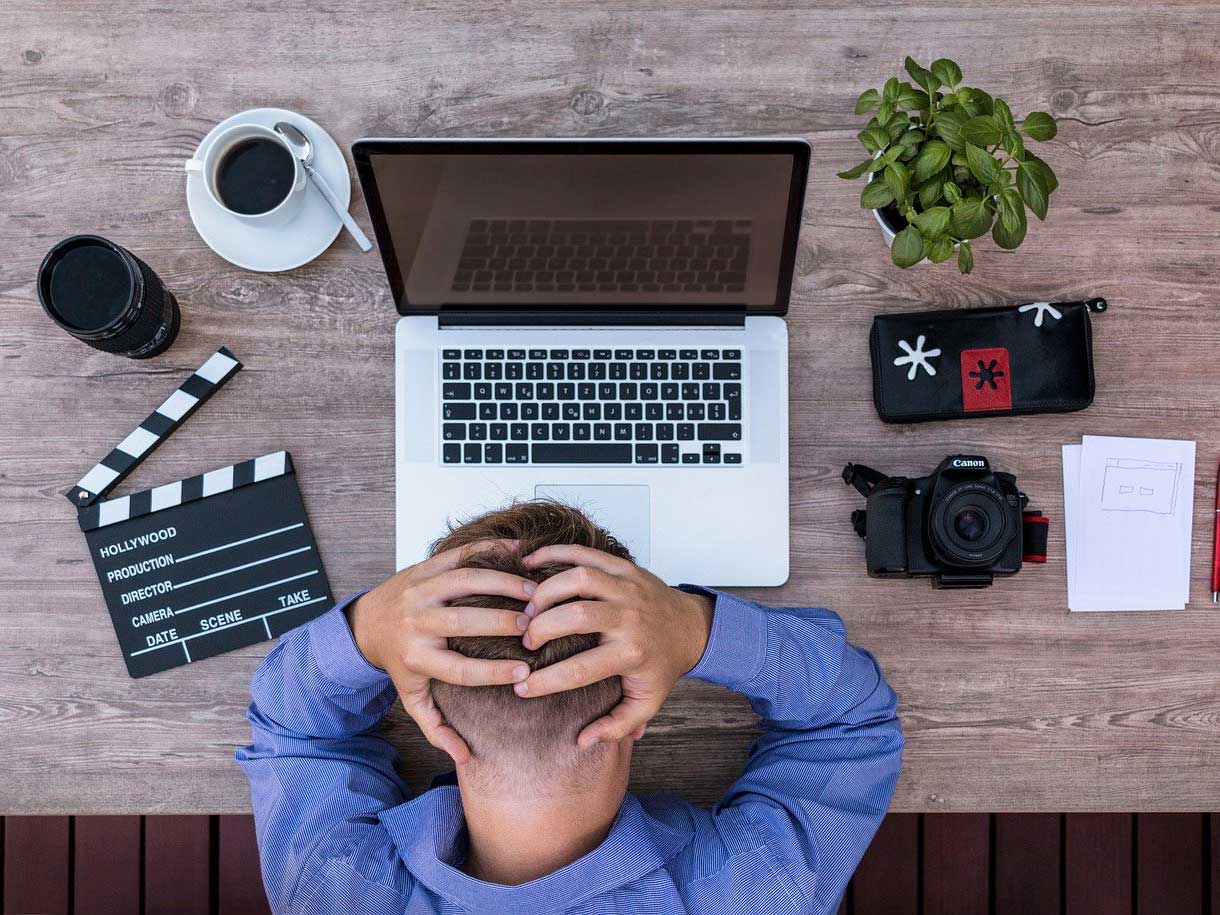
x=452 y=667
x=457 y=621
x=581 y=581
x=570 y=554
x=626 y=717
x=458 y=583
x=432 y=725
x=459 y=556
x=579 y=670
x=569 y=619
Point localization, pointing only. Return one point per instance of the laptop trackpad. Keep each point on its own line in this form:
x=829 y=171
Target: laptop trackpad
x=622 y=510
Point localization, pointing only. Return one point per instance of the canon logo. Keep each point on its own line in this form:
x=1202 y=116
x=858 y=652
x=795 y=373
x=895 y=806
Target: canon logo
x=963 y=462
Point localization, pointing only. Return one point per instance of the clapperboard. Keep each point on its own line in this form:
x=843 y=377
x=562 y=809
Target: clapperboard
x=205 y=565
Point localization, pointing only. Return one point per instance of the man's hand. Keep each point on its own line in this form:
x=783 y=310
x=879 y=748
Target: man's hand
x=651 y=634
x=402 y=625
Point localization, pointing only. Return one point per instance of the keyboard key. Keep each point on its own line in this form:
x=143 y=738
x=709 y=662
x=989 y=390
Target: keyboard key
x=727 y=371
x=669 y=391
x=472 y=371
x=482 y=391
x=503 y=390
x=646 y=454
x=493 y=371
x=559 y=354
x=679 y=371
x=516 y=454
x=716 y=412
x=735 y=410
x=451 y=371
x=701 y=371
x=488 y=411
x=544 y=391
x=618 y=371
x=709 y=354
x=731 y=354
x=688 y=354
x=732 y=458
x=452 y=453
x=473 y=354
x=597 y=371
x=582 y=432
x=645 y=354
x=565 y=391
x=519 y=432
x=494 y=354
x=537 y=354
x=711 y=390
x=658 y=371
x=498 y=431
x=695 y=411
x=633 y=411
x=508 y=411
x=582 y=453
x=711 y=458
x=457 y=391
x=516 y=354
x=612 y=411
x=591 y=411
x=458 y=411
x=561 y=432
x=529 y=411
x=533 y=370
x=514 y=371
x=675 y=412
x=667 y=354
x=472 y=453
x=586 y=390
x=576 y=371
x=643 y=432
x=602 y=432
x=686 y=432
x=451 y=354
x=665 y=432
x=580 y=354
x=653 y=411
x=719 y=432
x=554 y=371
x=477 y=432
x=622 y=432
x=493 y=454
x=691 y=458
x=571 y=411
x=638 y=371
x=540 y=432
x=550 y=411
x=623 y=354
x=669 y=454
x=603 y=354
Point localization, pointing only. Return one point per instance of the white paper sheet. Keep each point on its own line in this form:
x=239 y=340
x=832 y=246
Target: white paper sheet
x=1128 y=508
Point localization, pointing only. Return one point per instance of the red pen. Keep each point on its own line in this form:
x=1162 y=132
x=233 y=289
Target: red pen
x=1216 y=547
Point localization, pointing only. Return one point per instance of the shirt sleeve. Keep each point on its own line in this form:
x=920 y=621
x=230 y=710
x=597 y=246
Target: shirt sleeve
x=319 y=774
x=820 y=777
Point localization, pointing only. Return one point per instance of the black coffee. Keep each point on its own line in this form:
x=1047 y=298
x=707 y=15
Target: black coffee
x=90 y=286
x=254 y=176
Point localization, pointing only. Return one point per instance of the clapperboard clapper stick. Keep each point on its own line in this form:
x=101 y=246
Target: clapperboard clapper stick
x=205 y=565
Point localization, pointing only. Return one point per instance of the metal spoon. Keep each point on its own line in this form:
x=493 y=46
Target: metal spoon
x=304 y=151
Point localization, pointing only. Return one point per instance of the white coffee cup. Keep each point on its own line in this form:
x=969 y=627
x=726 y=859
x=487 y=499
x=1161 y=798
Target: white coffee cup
x=207 y=167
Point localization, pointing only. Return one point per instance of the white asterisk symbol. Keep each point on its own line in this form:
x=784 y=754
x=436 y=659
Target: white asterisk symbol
x=916 y=357
x=1043 y=309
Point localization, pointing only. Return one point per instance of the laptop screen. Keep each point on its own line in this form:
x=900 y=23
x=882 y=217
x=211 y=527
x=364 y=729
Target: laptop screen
x=606 y=224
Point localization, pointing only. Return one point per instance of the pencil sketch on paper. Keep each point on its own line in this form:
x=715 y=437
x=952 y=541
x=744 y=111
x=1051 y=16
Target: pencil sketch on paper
x=1132 y=485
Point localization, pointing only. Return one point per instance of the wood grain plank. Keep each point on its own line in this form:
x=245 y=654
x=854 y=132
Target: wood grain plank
x=177 y=865
x=106 y=865
x=887 y=880
x=1027 y=859
x=956 y=863
x=1097 y=863
x=240 y=880
x=1169 y=863
x=36 y=875
x=1115 y=713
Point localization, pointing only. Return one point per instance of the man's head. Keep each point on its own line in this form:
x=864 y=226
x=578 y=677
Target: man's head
x=503 y=730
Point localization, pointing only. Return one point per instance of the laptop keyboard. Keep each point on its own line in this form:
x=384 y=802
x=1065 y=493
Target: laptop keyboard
x=600 y=406
x=604 y=255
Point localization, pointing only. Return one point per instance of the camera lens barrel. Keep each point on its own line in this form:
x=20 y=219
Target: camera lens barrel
x=971 y=525
x=105 y=296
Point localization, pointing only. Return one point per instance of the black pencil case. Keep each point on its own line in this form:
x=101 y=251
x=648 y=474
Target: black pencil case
x=1015 y=359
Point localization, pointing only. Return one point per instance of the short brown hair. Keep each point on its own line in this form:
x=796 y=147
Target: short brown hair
x=496 y=723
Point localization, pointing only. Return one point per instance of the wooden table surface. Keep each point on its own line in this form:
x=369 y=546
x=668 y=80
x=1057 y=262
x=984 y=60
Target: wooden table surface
x=1009 y=702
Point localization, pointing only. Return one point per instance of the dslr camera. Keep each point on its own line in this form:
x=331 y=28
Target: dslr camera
x=961 y=525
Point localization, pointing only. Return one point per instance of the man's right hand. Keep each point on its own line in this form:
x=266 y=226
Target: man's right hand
x=402 y=627
x=651 y=634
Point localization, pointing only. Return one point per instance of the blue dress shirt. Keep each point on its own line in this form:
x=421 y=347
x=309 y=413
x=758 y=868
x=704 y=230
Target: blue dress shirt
x=337 y=833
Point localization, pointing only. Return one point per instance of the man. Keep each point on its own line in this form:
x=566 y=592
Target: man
x=533 y=651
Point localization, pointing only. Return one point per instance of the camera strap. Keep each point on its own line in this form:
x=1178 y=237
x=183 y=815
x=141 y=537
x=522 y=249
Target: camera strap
x=1035 y=529
x=862 y=478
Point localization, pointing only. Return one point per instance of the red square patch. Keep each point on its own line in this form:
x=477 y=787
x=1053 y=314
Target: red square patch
x=986 y=380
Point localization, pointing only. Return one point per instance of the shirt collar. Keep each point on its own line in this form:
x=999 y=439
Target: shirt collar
x=429 y=833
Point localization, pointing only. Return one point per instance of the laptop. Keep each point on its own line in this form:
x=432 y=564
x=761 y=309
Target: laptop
x=598 y=322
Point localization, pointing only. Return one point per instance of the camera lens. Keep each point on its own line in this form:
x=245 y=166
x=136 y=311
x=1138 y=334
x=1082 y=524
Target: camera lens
x=970 y=524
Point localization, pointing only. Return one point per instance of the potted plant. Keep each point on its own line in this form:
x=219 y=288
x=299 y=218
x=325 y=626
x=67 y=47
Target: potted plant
x=948 y=165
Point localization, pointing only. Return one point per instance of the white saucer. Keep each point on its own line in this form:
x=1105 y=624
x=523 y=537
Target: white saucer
x=269 y=249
